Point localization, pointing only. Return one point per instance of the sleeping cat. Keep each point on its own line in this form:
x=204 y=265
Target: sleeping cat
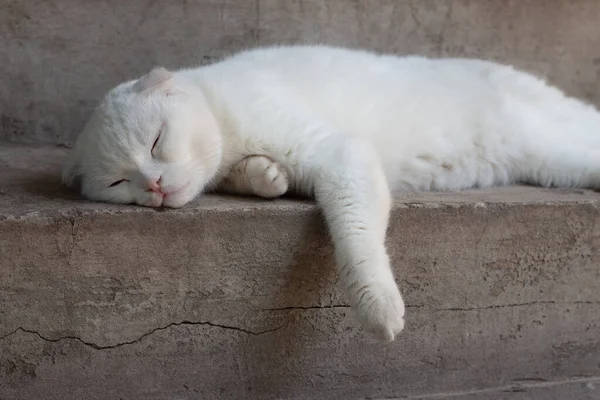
x=342 y=126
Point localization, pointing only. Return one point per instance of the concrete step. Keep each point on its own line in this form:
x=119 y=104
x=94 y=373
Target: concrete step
x=238 y=298
x=62 y=55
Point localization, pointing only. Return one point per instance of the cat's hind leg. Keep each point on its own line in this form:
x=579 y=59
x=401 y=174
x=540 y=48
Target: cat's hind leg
x=561 y=149
x=557 y=140
x=256 y=175
x=566 y=167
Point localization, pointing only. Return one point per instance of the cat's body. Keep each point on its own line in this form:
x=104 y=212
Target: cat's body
x=344 y=126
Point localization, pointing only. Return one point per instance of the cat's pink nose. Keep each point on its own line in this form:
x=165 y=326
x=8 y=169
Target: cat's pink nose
x=155 y=186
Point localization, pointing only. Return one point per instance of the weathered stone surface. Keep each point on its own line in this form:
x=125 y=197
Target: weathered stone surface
x=57 y=58
x=237 y=298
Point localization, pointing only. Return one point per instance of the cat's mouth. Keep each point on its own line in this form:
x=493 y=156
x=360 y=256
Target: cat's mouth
x=174 y=198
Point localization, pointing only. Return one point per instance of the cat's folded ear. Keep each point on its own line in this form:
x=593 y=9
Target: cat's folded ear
x=157 y=80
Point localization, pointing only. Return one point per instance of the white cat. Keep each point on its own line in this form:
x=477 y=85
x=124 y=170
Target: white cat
x=344 y=126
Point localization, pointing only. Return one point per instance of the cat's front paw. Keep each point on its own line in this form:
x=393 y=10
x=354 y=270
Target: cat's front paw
x=267 y=178
x=380 y=309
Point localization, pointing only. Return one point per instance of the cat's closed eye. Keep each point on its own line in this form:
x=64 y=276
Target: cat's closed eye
x=117 y=182
x=156 y=140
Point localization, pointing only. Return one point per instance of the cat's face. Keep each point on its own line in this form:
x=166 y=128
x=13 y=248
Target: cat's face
x=152 y=142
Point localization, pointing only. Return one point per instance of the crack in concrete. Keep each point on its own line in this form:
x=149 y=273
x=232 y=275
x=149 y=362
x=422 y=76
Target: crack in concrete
x=305 y=307
x=257 y=21
x=442 y=35
x=516 y=387
x=533 y=303
x=137 y=340
x=478 y=243
x=249 y=332
x=490 y=307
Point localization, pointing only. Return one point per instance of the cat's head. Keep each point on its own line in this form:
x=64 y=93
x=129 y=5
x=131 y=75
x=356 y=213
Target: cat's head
x=153 y=142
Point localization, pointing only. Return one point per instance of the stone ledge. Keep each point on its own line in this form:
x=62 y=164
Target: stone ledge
x=238 y=298
x=30 y=187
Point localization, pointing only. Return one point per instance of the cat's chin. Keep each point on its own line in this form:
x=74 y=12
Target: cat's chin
x=175 y=202
x=168 y=202
x=163 y=205
x=174 y=199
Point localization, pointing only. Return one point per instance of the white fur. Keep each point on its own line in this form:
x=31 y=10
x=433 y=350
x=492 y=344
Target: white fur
x=344 y=126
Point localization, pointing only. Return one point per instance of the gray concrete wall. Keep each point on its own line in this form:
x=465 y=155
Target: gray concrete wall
x=57 y=58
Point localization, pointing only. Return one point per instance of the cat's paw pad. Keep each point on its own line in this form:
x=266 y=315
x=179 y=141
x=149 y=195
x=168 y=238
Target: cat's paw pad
x=267 y=178
x=380 y=309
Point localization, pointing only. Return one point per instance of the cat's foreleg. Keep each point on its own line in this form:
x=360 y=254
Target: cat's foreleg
x=352 y=190
x=256 y=175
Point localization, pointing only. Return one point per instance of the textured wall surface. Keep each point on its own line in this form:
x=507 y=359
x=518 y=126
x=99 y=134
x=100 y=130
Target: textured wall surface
x=57 y=58
x=235 y=298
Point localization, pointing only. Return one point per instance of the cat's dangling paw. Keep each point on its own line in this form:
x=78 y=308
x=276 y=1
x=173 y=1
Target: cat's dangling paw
x=267 y=178
x=380 y=310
